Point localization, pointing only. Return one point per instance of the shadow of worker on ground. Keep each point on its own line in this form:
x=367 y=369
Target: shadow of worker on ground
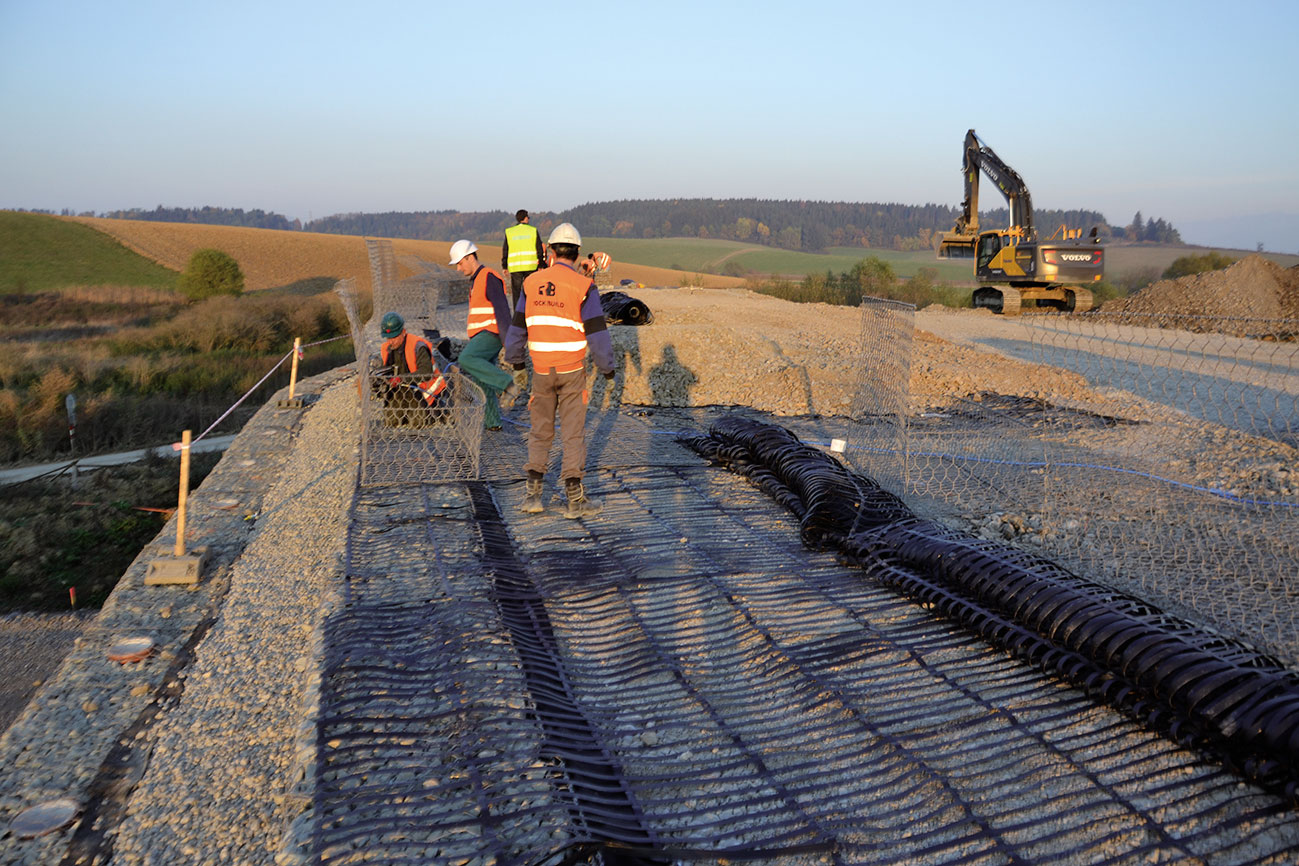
x=669 y=384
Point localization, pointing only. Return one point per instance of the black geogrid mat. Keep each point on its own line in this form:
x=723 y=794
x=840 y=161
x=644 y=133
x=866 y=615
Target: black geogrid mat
x=678 y=675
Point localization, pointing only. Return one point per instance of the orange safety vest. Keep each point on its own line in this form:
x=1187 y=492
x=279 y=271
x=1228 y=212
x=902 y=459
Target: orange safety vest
x=602 y=262
x=482 y=315
x=553 y=315
x=432 y=388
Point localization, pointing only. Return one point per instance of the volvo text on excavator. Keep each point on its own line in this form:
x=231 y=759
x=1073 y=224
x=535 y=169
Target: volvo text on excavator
x=1011 y=266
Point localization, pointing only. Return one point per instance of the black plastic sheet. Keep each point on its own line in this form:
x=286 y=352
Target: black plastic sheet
x=622 y=309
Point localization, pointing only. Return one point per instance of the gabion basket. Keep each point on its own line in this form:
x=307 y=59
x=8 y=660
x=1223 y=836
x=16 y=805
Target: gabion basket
x=405 y=440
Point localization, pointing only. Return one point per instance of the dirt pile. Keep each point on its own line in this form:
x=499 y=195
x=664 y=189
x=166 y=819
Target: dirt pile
x=1251 y=288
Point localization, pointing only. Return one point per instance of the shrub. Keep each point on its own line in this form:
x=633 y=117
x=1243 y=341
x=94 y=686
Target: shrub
x=1187 y=265
x=209 y=273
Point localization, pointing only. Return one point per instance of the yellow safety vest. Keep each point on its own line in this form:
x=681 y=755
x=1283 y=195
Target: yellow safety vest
x=521 y=245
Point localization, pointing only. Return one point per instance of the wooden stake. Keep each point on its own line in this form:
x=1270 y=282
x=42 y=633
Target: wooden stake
x=184 y=493
x=293 y=373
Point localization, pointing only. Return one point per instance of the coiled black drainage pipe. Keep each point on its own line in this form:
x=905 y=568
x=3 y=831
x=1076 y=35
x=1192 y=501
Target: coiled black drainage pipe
x=1206 y=692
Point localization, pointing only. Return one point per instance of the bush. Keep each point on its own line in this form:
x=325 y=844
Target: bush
x=1187 y=265
x=210 y=273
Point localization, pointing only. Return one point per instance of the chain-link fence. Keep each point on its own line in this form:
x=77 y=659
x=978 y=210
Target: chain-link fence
x=1172 y=474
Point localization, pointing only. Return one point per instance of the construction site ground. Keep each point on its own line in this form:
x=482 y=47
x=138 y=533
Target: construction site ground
x=374 y=674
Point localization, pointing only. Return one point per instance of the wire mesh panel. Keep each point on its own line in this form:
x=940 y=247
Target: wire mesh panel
x=346 y=291
x=406 y=438
x=415 y=297
x=1183 y=485
x=383 y=264
x=879 y=406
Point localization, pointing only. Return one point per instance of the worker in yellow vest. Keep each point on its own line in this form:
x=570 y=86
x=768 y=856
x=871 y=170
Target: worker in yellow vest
x=489 y=320
x=521 y=254
x=556 y=320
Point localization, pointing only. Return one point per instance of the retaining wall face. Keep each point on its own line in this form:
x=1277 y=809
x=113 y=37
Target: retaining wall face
x=58 y=745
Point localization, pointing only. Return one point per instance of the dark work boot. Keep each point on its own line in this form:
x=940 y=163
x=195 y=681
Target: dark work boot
x=532 y=503
x=579 y=505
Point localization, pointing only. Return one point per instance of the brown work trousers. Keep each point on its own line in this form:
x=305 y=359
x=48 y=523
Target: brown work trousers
x=565 y=392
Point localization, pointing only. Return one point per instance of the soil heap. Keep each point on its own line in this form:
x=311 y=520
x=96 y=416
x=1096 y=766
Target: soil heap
x=1253 y=288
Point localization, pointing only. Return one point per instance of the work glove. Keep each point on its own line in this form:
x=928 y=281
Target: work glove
x=395 y=382
x=520 y=376
x=608 y=377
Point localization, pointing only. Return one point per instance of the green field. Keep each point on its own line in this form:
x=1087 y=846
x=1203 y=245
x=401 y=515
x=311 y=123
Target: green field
x=694 y=255
x=39 y=252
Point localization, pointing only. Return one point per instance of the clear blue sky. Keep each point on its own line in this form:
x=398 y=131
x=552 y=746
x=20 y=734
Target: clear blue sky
x=1182 y=110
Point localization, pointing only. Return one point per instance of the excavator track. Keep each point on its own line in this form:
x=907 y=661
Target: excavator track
x=1079 y=299
x=999 y=299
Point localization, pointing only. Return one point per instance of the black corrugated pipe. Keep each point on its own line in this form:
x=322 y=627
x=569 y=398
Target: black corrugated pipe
x=1205 y=691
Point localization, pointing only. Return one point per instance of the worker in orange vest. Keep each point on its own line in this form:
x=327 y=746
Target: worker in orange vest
x=489 y=321
x=601 y=262
x=557 y=319
x=414 y=378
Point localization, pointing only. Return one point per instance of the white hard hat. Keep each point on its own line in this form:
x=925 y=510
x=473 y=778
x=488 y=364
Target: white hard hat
x=564 y=233
x=460 y=249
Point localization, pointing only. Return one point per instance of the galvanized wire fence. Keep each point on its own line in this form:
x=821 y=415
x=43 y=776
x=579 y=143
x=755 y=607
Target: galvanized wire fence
x=1173 y=475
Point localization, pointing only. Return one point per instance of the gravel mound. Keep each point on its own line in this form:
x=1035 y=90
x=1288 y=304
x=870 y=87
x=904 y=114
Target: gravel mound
x=1251 y=288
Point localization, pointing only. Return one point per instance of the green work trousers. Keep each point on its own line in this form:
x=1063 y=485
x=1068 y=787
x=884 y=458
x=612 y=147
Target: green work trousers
x=478 y=360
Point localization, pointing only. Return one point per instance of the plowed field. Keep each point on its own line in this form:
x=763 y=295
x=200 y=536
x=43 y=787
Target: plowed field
x=271 y=258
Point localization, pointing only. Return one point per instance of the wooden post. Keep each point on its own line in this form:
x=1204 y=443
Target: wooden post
x=184 y=493
x=293 y=373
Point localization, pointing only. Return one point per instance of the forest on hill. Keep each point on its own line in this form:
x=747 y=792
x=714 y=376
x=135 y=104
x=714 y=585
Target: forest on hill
x=810 y=226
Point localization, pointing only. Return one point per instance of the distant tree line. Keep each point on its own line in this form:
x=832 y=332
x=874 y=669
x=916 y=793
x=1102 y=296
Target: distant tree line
x=793 y=225
x=218 y=216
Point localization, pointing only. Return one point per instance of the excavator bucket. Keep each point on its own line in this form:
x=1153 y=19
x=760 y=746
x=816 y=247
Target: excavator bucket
x=957 y=246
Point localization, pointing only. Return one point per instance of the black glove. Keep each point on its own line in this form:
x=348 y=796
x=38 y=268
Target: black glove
x=608 y=377
x=519 y=366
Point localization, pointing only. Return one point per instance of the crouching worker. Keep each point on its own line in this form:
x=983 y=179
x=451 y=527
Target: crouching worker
x=558 y=317
x=489 y=322
x=411 y=379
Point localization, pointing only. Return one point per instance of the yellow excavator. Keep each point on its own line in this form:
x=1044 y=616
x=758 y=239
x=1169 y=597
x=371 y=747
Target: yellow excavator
x=1011 y=266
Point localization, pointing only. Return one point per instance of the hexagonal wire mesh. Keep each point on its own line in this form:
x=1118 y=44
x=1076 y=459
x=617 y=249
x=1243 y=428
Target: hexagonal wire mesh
x=406 y=440
x=1182 y=485
x=416 y=297
x=1179 y=485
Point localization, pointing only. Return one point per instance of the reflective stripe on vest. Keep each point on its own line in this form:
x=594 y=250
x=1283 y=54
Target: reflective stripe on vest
x=431 y=388
x=521 y=244
x=553 y=316
x=482 y=315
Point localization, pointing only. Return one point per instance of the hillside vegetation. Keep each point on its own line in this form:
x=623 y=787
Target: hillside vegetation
x=40 y=252
x=144 y=362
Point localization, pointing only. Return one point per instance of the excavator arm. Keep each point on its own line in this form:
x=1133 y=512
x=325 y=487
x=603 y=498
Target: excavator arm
x=979 y=159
